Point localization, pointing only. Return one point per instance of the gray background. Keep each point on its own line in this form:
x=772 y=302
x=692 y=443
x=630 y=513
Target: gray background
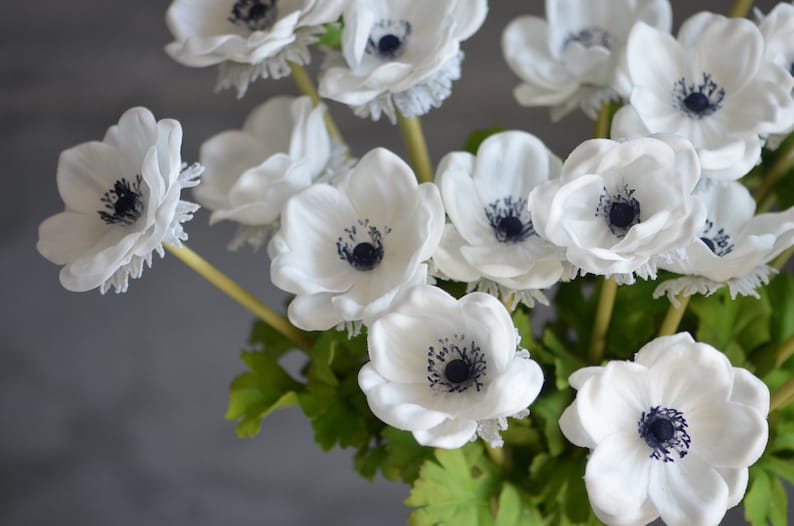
x=111 y=407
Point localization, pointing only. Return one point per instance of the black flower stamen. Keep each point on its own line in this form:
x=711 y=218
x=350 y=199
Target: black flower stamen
x=453 y=367
x=387 y=39
x=362 y=255
x=510 y=219
x=589 y=37
x=256 y=15
x=665 y=432
x=698 y=100
x=717 y=240
x=123 y=202
x=621 y=211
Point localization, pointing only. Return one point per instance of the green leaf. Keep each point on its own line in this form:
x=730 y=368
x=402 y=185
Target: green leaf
x=575 y=503
x=477 y=137
x=778 y=507
x=332 y=37
x=265 y=338
x=565 y=363
x=757 y=499
x=636 y=319
x=455 y=490
x=781 y=299
x=404 y=457
x=778 y=466
x=514 y=510
x=549 y=407
x=576 y=305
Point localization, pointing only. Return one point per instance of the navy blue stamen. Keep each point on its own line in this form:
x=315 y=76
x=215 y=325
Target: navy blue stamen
x=718 y=241
x=621 y=211
x=256 y=15
x=698 y=100
x=454 y=367
x=123 y=202
x=589 y=37
x=387 y=39
x=364 y=254
x=665 y=431
x=510 y=219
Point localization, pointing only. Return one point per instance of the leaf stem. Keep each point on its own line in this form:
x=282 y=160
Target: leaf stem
x=740 y=8
x=604 y=121
x=785 y=351
x=606 y=303
x=782 y=395
x=673 y=317
x=306 y=86
x=782 y=259
x=414 y=138
x=240 y=295
x=780 y=167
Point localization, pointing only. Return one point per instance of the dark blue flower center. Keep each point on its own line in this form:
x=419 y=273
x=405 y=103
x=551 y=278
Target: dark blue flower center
x=589 y=37
x=510 y=219
x=123 y=202
x=621 y=211
x=361 y=254
x=665 y=431
x=256 y=15
x=453 y=366
x=716 y=239
x=698 y=100
x=387 y=39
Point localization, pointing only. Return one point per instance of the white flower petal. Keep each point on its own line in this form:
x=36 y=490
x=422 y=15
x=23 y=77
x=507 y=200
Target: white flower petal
x=498 y=335
x=750 y=391
x=313 y=312
x=450 y=434
x=688 y=492
x=727 y=434
x=736 y=479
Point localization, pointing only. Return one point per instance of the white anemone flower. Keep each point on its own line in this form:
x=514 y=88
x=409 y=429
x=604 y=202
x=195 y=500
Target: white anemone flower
x=253 y=171
x=122 y=203
x=347 y=250
x=448 y=370
x=712 y=86
x=400 y=55
x=733 y=247
x=664 y=442
x=491 y=242
x=248 y=39
x=618 y=208
x=568 y=60
x=777 y=28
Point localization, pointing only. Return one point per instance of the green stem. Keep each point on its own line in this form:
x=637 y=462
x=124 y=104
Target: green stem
x=598 y=338
x=673 y=317
x=782 y=259
x=780 y=167
x=603 y=122
x=414 y=138
x=785 y=351
x=306 y=86
x=240 y=295
x=740 y=8
x=782 y=395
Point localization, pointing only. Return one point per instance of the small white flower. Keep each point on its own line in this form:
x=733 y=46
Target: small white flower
x=122 y=203
x=568 y=60
x=664 y=442
x=777 y=28
x=400 y=55
x=491 y=238
x=248 y=39
x=447 y=370
x=282 y=149
x=618 y=207
x=732 y=248
x=347 y=251
x=712 y=86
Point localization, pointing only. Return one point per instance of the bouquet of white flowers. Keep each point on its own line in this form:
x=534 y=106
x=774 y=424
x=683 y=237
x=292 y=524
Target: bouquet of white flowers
x=604 y=335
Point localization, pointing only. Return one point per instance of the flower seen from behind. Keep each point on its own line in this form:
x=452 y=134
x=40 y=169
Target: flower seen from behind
x=448 y=370
x=247 y=38
x=491 y=238
x=347 y=250
x=122 y=202
x=568 y=59
x=663 y=442
x=712 y=86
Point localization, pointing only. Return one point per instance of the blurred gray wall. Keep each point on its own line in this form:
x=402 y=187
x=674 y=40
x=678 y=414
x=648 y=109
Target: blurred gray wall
x=111 y=408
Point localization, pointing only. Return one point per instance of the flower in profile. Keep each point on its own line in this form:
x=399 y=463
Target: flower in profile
x=492 y=243
x=448 y=370
x=568 y=60
x=347 y=250
x=122 y=203
x=664 y=442
x=248 y=39
x=732 y=248
x=777 y=28
x=712 y=86
x=400 y=56
x=617 y=208
x=252 y=172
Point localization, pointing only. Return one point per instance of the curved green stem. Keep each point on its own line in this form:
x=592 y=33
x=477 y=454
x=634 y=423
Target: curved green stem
x=784 y=161
x=782 y=259
x=598 y=338
x=740 y=8
x=414 y=138
x=603 y=122
x=785 y=351
x=306 y=86
x=240 y=295
x=673 y=317
x=782 y=395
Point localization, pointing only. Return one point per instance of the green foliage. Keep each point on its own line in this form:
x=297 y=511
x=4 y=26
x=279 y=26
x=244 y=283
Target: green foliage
x=477 y=137
x=332 y=37
x=636 y=319
x=766 y=502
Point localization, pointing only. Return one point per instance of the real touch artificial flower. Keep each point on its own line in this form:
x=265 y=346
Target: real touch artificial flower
x=617 y=208
x=122 y=203
x=252 y=172
x=448 y=370
x=491 y=242
x=568 y=60
x=400 y=55
x=664 y=442
x=733 y=247
x=712 y=86
x=777 y=28
x=248 y=39
x=347 y=250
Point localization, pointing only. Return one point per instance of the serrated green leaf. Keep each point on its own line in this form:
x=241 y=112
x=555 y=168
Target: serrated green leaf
x=565 y=362
x=477 y=137
x=455 y=490
x=332 y=37
x=778 y=466
x=576 y=304
x=757 y=499
x=340 y=424
x=636 y=319
x=323 y=354
x=250 y=425
x=514 y=510
x=549 y=407
x=265 y=338
x=368 y=460
x=778 y=506
x=575 y=503
x=404 y=457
